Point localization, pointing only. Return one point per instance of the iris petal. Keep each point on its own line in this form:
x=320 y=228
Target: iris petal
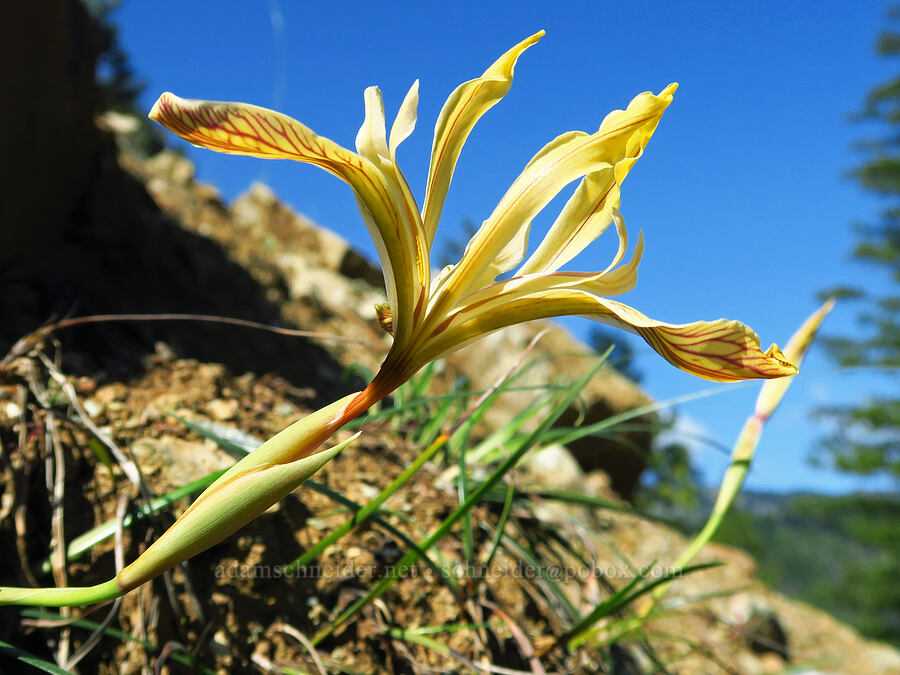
x=621 y=138
x=392 y=221
x=465 y=106
x=722 y=350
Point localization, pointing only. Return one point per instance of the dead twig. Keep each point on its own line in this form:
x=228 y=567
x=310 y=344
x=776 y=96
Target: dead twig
x=119 y=555
x=33 y=339
x=9 y=491
x=287 y=629
x=20 y=519
x=129 y=468
x=526 y=648
x=168 y=649
x=55 y=476
x=265 y=664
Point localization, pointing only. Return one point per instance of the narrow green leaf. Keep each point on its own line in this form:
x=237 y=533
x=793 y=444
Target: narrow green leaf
x=538 y=566
x=579 y=633
x=183 y=658
x=381 y=522
x=566 y=436
x=573 y=497
x=432 y=428
x=366 y=511
x=501 y=525
x=234 y=441
x=461 y=491
x=419 y=639
x=423 y=402
x=103 y=456
x=32 y=660
x=422 y=380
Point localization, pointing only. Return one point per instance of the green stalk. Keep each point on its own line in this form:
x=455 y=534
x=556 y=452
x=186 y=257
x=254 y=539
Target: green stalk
x=62 y=597
x=238 y=496
x=729 y=489
x=770 y=396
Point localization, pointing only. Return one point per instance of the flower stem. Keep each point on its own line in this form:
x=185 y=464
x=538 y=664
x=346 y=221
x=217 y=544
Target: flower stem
x=241 y=494
x=60 y=597
x=246 y=490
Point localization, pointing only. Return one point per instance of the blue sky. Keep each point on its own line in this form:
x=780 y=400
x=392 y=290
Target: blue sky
x=741 y=194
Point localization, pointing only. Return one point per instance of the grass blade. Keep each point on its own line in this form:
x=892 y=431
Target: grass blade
x=532 y=559
x=566 y=436
x=498 y=534
x=30 y=659
x=381 y=522
x=183 y=658
x=580 y=632
x=411 y=557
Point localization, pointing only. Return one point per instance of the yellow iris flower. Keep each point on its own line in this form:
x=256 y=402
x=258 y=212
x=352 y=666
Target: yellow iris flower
x=432 y=316
x=429 y=316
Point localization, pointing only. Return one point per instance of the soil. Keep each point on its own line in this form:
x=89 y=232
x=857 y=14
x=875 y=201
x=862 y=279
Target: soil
x=232 y=607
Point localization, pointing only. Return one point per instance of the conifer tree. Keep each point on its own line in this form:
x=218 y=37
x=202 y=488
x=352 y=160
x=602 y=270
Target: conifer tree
x=867 y=440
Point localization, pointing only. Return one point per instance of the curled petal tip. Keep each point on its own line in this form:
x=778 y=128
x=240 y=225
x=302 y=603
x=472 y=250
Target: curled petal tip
x=772 y=392
x=530 y=41
x=779 y=365
x=154 y=113
x=157 y=112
